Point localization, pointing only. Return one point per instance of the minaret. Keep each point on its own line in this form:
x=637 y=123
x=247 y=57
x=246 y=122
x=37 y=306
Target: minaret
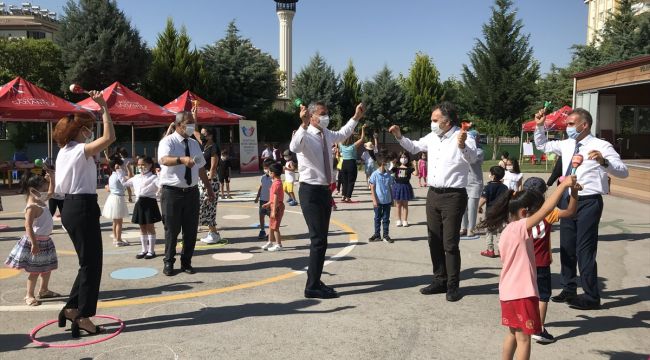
x=286 y=9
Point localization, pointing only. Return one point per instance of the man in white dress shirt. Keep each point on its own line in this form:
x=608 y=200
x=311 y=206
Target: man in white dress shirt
x=449 y=155
x=181 y=165
x=312 y=143
x=579 y=235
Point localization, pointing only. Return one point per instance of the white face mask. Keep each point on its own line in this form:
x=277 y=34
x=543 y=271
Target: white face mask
x=509 y=168
x=189 y=129
x=403 y=160
x=324 y=121
x=287 y=158
x=223 y=158
x=435 y=128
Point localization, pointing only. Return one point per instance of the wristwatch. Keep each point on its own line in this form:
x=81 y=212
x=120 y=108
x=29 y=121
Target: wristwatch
x=178 y=160
x=605 y=163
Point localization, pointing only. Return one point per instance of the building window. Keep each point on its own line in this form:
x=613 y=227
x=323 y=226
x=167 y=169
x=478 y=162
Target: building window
x=633 y=120
x=35 y=35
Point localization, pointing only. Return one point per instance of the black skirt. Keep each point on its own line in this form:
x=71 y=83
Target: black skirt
x=146 y=211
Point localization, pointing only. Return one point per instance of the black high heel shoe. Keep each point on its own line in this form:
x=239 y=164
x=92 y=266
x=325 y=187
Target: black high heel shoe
x=76 y=329
x=63 y=318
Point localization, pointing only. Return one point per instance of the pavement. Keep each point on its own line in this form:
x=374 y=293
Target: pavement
x=244 y=303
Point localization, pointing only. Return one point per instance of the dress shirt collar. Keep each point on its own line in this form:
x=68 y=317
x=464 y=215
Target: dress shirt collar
x=586 y=140
x=314 y=130
x=449 y=133
x=178 y=136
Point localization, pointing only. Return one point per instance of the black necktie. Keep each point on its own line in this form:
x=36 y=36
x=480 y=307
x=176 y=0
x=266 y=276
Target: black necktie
x=326 y=156
x=188 y=171
x=570 y=167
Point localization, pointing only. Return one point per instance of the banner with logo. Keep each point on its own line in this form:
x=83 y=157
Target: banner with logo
x=249 y=161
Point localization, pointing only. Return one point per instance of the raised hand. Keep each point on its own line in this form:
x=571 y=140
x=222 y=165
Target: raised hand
x=98 y=97
x=359 y=112
x=540 y=117
x=462 y=137
x=395 y=131
x=304 y=115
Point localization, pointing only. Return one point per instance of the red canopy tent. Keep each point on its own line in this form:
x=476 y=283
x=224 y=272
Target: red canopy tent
x=129 y=108
x=22 y=101
x=555 y=121
x=207 y=113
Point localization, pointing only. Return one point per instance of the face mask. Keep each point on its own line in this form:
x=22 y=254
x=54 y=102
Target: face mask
x=572 y=132
x=403 y=160
x=189 y=129
x=223 y=158
x=324 y=121
x=203 y=138
x=266 y=172
x=435 y=128
x=287 y=158
x=509 y=168
x=90 y=137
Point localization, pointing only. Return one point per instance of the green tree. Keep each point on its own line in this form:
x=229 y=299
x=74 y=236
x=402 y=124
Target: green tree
x=621 y=37
x=100 y=46
x=385 y=101
x=174 y=67
x=318 y=82
x=452 y=91
x=351 y=91
x=38 y=61
x=500 y=83
x=423 y=90
x=239 y=76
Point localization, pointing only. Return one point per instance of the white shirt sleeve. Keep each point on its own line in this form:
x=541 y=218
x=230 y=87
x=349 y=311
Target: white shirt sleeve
x=542 y=143
x=164 y=148
x=469 y=152
x=416 y=146
x=616 y=166
x=344 y=132
x=297 y=144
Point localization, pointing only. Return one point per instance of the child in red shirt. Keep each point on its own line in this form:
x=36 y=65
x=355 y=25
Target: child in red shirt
x=276 y=206
x=541 y=235
x=518 y=280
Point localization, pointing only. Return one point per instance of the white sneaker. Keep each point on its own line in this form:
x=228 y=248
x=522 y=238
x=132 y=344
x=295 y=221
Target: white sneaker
x=267 y=245
x=275 y=247
x=399 y=223
x=405 y=223
x=212 y=238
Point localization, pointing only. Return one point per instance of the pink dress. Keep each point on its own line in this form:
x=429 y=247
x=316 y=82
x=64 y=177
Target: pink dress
x=422 y=169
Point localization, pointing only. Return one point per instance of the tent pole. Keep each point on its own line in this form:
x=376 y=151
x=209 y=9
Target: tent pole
x=521 y=146
x=545 y=153
x=132 y=141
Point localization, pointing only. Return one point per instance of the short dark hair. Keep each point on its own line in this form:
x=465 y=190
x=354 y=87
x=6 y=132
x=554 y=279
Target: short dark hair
x=224 y=152
x=30 y=181
x=276 y=169
x=584 y=115
x=505 y=154
x=498 y=172
x=448 y=110
x=115 y=160
x=382 y=157
x=267 y=162
x=535 y=183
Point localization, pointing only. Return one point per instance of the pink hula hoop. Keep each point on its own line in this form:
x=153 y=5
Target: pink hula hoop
x=32 y=334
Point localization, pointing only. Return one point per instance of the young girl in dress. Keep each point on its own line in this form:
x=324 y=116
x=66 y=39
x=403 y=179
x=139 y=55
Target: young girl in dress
x=402 y=190
x=35 y=251
x=422 y=170
x=115 y=206
x=518 y=280
x=145 y=211
x=513 y=178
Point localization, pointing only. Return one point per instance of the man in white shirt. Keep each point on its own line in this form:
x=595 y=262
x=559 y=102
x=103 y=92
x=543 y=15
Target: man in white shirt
x=181 y=165
x=579 y=235
x=312 y=143
x=449 y=154
x=267 y=153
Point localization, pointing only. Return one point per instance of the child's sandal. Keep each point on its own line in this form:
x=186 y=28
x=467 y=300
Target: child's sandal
x=47 y=294
x=31 y=301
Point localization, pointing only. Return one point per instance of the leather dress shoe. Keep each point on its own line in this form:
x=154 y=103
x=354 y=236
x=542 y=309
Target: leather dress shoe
x=582 y=303
x=327 y=288
x=435 y=288
x=321 y=294
x=188 y=269
x=168 y=269
x=563 y=296
x=453 y=295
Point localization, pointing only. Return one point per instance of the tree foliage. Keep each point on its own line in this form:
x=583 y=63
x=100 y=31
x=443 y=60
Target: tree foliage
x=174 y=66
x=385 y=101
x=100 y=46
x=500 y=79
x=239 y=76
x=423 y=90
x=351 y=91
x=38 y=61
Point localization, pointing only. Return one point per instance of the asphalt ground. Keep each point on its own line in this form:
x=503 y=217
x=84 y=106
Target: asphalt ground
x=249 y=304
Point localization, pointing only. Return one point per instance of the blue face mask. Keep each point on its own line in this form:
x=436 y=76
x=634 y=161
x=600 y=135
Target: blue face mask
x=572 y=133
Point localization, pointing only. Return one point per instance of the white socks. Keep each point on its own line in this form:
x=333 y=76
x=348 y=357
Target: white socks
x=143 y=242
x=152 y=243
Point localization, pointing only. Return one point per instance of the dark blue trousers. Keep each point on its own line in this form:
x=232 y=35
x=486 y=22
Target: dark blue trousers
x=315 y=202
x=579 y=245
x=382 y=216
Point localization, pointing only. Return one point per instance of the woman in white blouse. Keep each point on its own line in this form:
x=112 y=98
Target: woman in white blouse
x=77 y=180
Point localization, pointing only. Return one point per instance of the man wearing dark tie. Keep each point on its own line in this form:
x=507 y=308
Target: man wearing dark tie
x=181 y=165
x=312 y=143
x=579 y=235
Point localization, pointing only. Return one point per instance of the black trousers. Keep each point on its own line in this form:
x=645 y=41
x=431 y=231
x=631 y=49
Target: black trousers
x=80 y=217
x=53 y=204
x=579 y=245
x=316 y=208
x=444 y=217
x=349 y=176
x=180 y=210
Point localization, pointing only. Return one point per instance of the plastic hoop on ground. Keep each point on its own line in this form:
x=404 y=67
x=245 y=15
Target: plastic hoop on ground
x=32 y=334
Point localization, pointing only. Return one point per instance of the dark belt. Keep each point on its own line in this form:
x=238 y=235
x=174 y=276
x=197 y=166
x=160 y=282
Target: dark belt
x=447 y=190
x=180 y=189
x=316 y=186
x=589 y=197
x=81 y=197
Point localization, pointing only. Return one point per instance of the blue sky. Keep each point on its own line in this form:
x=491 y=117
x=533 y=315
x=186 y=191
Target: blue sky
x=372 y=33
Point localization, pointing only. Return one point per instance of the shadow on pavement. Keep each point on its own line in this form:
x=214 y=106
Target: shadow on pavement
x=589 y=325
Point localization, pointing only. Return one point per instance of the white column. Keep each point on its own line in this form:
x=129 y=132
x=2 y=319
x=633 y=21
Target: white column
x=286 y=19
